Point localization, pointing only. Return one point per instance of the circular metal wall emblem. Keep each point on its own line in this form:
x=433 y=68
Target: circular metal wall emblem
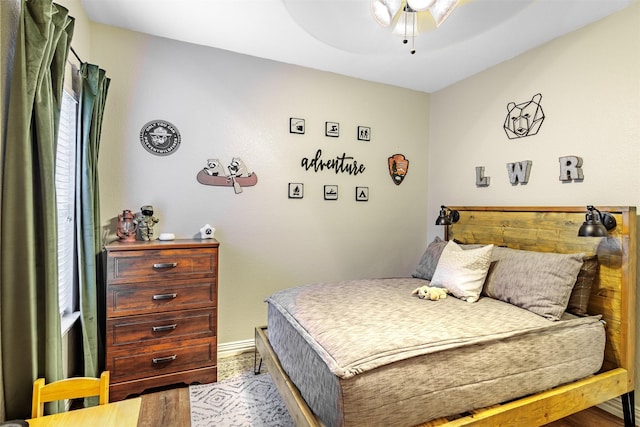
x=160 y=137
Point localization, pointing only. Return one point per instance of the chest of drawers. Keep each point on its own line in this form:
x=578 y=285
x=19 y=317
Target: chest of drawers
x=161 y=314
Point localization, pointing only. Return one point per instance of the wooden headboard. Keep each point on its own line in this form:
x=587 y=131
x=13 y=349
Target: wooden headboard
x=555 y=229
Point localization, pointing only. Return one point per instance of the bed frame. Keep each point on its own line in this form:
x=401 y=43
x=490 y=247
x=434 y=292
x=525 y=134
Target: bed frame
x=548 y=229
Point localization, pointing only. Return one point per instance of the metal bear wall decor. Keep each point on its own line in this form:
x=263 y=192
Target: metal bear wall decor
x=238 y=177
x=524 y=119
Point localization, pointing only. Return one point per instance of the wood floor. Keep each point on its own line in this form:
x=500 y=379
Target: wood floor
x=170 y=408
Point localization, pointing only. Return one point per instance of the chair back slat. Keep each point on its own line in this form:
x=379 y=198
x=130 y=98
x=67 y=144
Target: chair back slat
x=70 y=388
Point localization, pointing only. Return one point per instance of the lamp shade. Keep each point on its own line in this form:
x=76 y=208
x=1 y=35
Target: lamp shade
x=420 y=5
x=596 y=223
x=592 y=229
x=447 y=216
x=443 y=220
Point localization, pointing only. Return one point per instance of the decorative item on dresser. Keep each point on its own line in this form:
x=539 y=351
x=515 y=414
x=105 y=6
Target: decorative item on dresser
x=161 y=314
x=126 y=228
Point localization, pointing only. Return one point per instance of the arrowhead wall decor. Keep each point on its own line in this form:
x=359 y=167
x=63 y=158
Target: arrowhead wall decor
x=398 y=168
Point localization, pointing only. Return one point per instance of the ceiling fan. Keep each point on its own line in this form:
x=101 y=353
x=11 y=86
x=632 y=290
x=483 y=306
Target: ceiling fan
x=403 y=15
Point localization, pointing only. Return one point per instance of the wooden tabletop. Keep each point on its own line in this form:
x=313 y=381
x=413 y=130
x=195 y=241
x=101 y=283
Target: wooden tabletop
x=124 y=413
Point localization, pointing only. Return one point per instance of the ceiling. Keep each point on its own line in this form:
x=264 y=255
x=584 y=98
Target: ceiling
x=341 y=36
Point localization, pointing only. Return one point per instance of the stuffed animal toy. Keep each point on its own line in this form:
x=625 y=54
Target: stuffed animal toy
x=430 y=293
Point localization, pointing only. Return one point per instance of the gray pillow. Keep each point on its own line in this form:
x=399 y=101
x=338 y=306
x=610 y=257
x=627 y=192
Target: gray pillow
x=579 y=300
x=427 y=264
x=540 y=282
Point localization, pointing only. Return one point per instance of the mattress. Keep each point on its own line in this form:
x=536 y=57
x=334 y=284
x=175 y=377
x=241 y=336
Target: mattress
x=367 y=352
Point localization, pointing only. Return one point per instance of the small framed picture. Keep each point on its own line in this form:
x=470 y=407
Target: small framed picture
x=331 y=192
x=362 y=194
x=296 y=125
x=332 y=129
x=296 y=190
x=364 y=133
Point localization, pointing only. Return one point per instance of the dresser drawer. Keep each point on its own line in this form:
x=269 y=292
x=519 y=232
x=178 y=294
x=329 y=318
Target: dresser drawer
x=152 y=328
x=153 y=297
x=161 y=359
x=128 y=266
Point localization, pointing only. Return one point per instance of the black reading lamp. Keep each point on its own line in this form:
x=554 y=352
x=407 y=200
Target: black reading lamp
x=596 y=223
x=447 y=216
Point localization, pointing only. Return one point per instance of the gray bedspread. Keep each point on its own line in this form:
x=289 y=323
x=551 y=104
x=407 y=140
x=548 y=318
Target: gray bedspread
x=359 y=325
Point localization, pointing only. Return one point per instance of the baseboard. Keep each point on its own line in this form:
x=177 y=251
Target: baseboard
x=614 y=406
x=234 y=348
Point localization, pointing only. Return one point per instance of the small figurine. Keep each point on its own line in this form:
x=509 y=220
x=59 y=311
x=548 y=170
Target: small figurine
x=127 y=225
x=145 y=222
x=207 y=232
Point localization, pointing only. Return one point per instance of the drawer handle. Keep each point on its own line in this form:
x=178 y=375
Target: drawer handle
x=157 y=360
x=164 y=328
x=165 y=265
x=164 y=296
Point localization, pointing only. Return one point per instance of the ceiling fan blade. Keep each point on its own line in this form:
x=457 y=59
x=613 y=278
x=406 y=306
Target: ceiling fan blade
x=442 y=9
x=385 y=10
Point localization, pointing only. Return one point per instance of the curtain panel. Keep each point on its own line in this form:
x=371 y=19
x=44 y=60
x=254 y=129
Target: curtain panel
x=94 y=94
x=30 y=339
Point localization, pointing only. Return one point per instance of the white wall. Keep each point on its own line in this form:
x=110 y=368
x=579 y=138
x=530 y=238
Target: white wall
x=590 y=86
x=225 y=105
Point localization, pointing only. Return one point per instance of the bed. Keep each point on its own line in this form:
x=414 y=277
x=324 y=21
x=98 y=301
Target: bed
x=495 y=359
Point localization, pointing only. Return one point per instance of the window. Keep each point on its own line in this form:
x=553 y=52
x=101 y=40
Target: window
x=65 y=203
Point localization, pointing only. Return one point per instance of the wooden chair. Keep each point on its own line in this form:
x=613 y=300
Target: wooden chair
x=70 y=388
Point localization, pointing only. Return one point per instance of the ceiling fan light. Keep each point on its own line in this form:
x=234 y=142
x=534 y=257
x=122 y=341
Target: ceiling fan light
x=420 y=5
x=407 y=24
x=441 y=9
x=384 y=10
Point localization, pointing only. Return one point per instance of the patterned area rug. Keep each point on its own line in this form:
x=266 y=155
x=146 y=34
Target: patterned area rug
x=243 y=400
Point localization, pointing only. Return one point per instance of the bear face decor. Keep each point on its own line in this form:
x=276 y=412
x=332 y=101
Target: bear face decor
x=524 y=119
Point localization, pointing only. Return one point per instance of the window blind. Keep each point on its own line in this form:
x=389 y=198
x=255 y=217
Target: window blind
x=65 y=201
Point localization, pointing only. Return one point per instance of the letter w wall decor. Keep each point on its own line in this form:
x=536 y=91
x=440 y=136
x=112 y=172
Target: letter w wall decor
x=519 y=172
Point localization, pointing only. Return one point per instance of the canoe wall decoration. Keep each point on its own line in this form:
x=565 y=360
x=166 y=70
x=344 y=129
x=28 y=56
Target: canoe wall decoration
x=238 y=176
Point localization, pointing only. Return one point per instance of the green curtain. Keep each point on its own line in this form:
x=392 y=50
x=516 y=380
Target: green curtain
x=94 y=94
x=30 y=319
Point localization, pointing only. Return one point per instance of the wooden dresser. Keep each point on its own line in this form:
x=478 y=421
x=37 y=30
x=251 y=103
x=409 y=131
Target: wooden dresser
x=161 y=314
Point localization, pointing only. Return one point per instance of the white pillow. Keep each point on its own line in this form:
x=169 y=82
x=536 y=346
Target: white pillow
x=462 y=271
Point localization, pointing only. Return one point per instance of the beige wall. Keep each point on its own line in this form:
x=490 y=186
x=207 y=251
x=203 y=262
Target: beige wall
x=229 y=105
x=590 y=86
